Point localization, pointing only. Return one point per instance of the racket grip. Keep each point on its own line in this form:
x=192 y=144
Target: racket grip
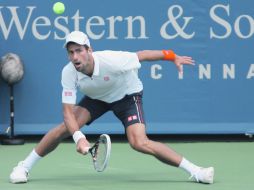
x=87 y=149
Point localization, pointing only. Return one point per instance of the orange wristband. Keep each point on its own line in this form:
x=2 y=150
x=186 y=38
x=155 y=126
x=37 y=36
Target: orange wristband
x=169 y=55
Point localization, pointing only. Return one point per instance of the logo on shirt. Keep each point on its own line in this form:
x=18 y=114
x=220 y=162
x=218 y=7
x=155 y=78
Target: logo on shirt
x=132 y=117
x=68 y=93
x=106 y=78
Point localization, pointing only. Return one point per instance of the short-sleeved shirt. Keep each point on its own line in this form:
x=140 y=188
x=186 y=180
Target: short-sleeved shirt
x=115 y=75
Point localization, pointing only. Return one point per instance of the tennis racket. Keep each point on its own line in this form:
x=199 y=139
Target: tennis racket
x=100 y=152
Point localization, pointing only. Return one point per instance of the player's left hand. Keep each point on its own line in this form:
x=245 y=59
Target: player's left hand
x=183 y=60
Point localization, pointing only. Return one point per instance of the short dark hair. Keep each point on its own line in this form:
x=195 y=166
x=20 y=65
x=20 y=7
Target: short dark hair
x=86 y=46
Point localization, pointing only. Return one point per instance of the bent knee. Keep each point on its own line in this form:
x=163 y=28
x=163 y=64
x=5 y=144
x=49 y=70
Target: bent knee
x=140 y=144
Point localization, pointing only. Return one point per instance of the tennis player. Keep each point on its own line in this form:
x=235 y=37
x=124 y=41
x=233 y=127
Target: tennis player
x=110 y=82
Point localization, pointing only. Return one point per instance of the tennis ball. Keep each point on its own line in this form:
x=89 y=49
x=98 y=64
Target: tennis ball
x=58 y=8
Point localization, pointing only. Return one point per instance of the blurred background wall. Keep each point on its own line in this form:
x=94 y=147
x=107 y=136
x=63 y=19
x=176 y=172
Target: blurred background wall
x=213 y=97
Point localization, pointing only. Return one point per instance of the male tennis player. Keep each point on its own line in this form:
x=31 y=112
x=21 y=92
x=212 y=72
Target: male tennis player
x=110 y=82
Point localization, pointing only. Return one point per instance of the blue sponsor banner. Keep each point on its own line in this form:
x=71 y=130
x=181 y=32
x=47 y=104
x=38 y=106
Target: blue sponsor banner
x=213 y=97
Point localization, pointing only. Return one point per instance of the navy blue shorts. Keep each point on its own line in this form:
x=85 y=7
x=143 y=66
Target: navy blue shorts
x=129 y=110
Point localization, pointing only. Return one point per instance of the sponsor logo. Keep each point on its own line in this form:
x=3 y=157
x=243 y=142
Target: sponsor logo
x=67 y=93
x=132 y=117
x=106 y=78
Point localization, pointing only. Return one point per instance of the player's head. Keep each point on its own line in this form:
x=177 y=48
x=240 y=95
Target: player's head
x=79 y=52
x=78 y=38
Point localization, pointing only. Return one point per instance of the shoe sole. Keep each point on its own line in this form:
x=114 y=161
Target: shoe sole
x=18 y=181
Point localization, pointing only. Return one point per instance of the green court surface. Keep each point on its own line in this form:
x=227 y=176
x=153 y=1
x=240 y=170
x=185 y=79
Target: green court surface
x=67 y=170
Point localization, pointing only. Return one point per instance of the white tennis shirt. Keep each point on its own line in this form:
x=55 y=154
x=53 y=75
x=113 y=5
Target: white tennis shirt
x=115 y=75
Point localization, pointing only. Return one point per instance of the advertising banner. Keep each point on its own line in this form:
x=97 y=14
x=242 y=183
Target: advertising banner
x=213 y=97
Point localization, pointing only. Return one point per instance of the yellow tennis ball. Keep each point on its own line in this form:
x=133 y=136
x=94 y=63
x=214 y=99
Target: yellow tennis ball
x=58 y=8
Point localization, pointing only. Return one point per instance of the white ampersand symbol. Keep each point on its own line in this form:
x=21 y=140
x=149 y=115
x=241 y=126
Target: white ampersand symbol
x=172 y=19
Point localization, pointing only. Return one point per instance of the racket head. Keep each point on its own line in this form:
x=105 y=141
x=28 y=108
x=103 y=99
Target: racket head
x=101 y=152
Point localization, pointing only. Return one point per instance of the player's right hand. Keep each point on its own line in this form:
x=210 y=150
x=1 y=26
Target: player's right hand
x=183 y=60
x=83 y=146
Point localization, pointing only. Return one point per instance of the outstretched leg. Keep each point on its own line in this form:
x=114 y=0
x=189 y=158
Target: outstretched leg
x=48 y=143
x=139 y=141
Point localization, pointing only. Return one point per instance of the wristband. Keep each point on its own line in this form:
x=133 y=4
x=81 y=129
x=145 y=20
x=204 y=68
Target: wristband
x=78 y=135
x=169 y=55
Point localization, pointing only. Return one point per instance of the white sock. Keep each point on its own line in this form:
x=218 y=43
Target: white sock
x=31 y=159
x=188 y=166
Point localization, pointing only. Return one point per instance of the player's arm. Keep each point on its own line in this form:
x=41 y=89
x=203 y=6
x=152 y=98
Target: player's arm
x=169 y=55
x=69 y=118
x=82 y=145
x=68 y=102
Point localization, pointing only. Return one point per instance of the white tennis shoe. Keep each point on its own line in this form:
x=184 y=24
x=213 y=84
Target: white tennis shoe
x=203 y=175
x=19 y=174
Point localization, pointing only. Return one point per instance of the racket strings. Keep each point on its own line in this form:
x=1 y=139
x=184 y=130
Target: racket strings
x=100 y=156
x=101 y=152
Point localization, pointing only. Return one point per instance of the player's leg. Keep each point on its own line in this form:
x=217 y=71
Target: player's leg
x=48 y=143
x=52 y=139
x=87 y=111
x=139 y=141
x=130 y=111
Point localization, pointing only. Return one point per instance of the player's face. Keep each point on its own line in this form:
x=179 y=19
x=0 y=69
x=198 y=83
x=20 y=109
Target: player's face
x=79 y=56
